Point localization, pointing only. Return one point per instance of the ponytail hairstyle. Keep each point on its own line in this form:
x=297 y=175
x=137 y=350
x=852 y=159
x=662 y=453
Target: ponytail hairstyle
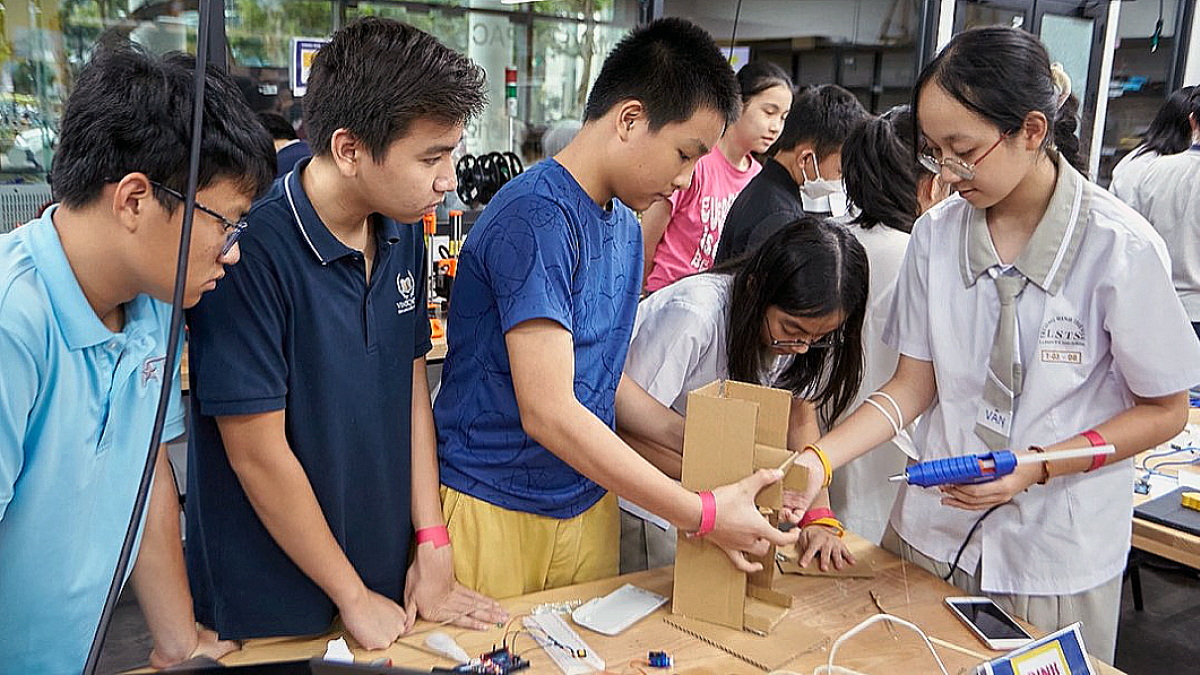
x=880 y=170
x=755 y=78
x=1169 y=133
x=1002 y=75
x=813 y=267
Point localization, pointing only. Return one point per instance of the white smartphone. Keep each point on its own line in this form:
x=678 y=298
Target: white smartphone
x=992 y=625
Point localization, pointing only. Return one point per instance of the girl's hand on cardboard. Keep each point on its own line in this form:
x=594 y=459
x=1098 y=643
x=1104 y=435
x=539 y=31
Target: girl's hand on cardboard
x=819 y=541
x=796 y=503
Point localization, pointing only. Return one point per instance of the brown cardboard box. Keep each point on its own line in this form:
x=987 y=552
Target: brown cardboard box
x=732 y=429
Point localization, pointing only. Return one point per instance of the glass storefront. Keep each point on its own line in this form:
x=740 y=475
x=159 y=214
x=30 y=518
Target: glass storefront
x=557 y=47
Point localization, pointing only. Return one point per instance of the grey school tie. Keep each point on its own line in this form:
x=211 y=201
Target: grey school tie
x=1005 y=377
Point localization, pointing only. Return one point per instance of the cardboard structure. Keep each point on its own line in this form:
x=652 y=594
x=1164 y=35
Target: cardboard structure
x=733 y=429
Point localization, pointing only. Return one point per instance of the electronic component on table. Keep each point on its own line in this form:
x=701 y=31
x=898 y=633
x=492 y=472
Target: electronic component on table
x=985 y=467
x=659 y=660
x=496 y=662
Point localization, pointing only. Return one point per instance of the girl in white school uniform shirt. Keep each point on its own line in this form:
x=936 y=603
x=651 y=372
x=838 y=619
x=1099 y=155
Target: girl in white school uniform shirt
x=1095 y=347
x=789 y=315
x=1168 y=134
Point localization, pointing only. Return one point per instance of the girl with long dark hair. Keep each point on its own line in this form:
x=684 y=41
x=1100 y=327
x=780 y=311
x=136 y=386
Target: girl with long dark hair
x=1034 y=311
x=1168 y=134
x=890 y=189
x=788 y=316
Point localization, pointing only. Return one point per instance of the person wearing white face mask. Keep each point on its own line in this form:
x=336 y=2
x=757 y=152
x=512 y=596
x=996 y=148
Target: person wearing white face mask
x=803 y=172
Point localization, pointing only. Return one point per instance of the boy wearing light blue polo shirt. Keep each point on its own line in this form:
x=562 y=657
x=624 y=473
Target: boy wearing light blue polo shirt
x=83 y=340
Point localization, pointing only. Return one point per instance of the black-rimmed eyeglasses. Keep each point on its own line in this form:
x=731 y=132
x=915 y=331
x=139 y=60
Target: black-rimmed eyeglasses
x=233 y=231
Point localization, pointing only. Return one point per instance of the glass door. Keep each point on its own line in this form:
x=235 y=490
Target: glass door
x=1072 y=30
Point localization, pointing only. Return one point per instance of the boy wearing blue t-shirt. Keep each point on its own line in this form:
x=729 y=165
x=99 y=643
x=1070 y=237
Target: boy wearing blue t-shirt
x=84 y=323
x=544 y=303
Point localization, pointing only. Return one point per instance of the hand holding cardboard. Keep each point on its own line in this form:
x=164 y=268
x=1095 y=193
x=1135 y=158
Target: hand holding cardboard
x=740 y=528
x=796 y=502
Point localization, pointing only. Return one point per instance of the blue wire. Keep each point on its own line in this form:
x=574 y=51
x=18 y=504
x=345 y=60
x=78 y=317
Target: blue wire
x=1189 y=462
x=1168 y=453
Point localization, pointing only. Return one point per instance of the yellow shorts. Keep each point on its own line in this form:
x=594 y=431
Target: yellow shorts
x=503 y=553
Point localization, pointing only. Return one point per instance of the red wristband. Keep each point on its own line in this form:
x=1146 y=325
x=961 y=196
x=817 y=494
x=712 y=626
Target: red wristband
x=1096 y=440
x=708 y=513
x=438 y=536
x=815 y=514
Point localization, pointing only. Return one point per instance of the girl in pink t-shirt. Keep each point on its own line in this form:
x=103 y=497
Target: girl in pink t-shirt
x=681 y=235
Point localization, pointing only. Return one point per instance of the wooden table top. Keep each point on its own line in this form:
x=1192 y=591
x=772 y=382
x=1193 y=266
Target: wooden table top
x=827 y=606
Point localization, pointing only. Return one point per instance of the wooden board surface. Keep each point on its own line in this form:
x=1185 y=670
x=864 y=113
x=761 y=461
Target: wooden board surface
x=1161 y=540
x=828 y=606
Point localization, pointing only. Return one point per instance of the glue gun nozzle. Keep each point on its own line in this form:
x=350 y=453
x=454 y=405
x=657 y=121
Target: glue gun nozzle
x=897 y=478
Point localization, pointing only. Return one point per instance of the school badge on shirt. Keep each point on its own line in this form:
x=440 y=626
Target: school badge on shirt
x=1061 y=340
x=407 y=287
x=152 y=370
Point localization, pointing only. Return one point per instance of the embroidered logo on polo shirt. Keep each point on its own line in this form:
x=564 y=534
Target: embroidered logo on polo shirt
x=407 y=288
x=1062 y=340
x=152 y=369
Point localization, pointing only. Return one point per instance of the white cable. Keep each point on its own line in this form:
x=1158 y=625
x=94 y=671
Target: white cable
x=899 y=414
x=828 y=668
x=888 y=415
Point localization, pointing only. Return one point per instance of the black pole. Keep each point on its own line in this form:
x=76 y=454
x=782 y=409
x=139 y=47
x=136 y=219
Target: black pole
x=1185 y=14
x=164 y=396
x=218 y=45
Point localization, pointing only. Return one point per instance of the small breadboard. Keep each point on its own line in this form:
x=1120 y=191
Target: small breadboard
x=1191 y=500
x=562 y=644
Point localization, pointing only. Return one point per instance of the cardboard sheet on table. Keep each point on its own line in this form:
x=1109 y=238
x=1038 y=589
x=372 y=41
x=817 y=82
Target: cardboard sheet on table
x=863 y=569
x=865 y=565
x=791 y=639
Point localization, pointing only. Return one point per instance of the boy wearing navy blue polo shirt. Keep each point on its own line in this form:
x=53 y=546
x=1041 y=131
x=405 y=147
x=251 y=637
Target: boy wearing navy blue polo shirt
x=84 y=314
x=545 y=297
x=313 y=454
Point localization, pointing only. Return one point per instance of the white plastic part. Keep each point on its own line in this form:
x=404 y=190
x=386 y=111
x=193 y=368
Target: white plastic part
x=444 y=644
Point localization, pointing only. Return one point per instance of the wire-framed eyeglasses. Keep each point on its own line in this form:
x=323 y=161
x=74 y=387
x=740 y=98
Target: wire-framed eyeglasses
x=964 y=170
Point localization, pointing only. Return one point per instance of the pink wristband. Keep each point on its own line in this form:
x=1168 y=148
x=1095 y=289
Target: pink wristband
x=815 y=514
x=438 y=536
x=1096 y=440
x=708 y=513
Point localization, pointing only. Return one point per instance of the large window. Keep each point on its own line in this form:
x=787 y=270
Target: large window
x=43 y=43
x=556 y=46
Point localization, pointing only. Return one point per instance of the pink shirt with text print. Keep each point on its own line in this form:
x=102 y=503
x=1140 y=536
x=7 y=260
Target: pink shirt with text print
x=697 y=219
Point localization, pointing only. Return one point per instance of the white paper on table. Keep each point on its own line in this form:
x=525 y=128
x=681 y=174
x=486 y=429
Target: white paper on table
x=338 y=651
